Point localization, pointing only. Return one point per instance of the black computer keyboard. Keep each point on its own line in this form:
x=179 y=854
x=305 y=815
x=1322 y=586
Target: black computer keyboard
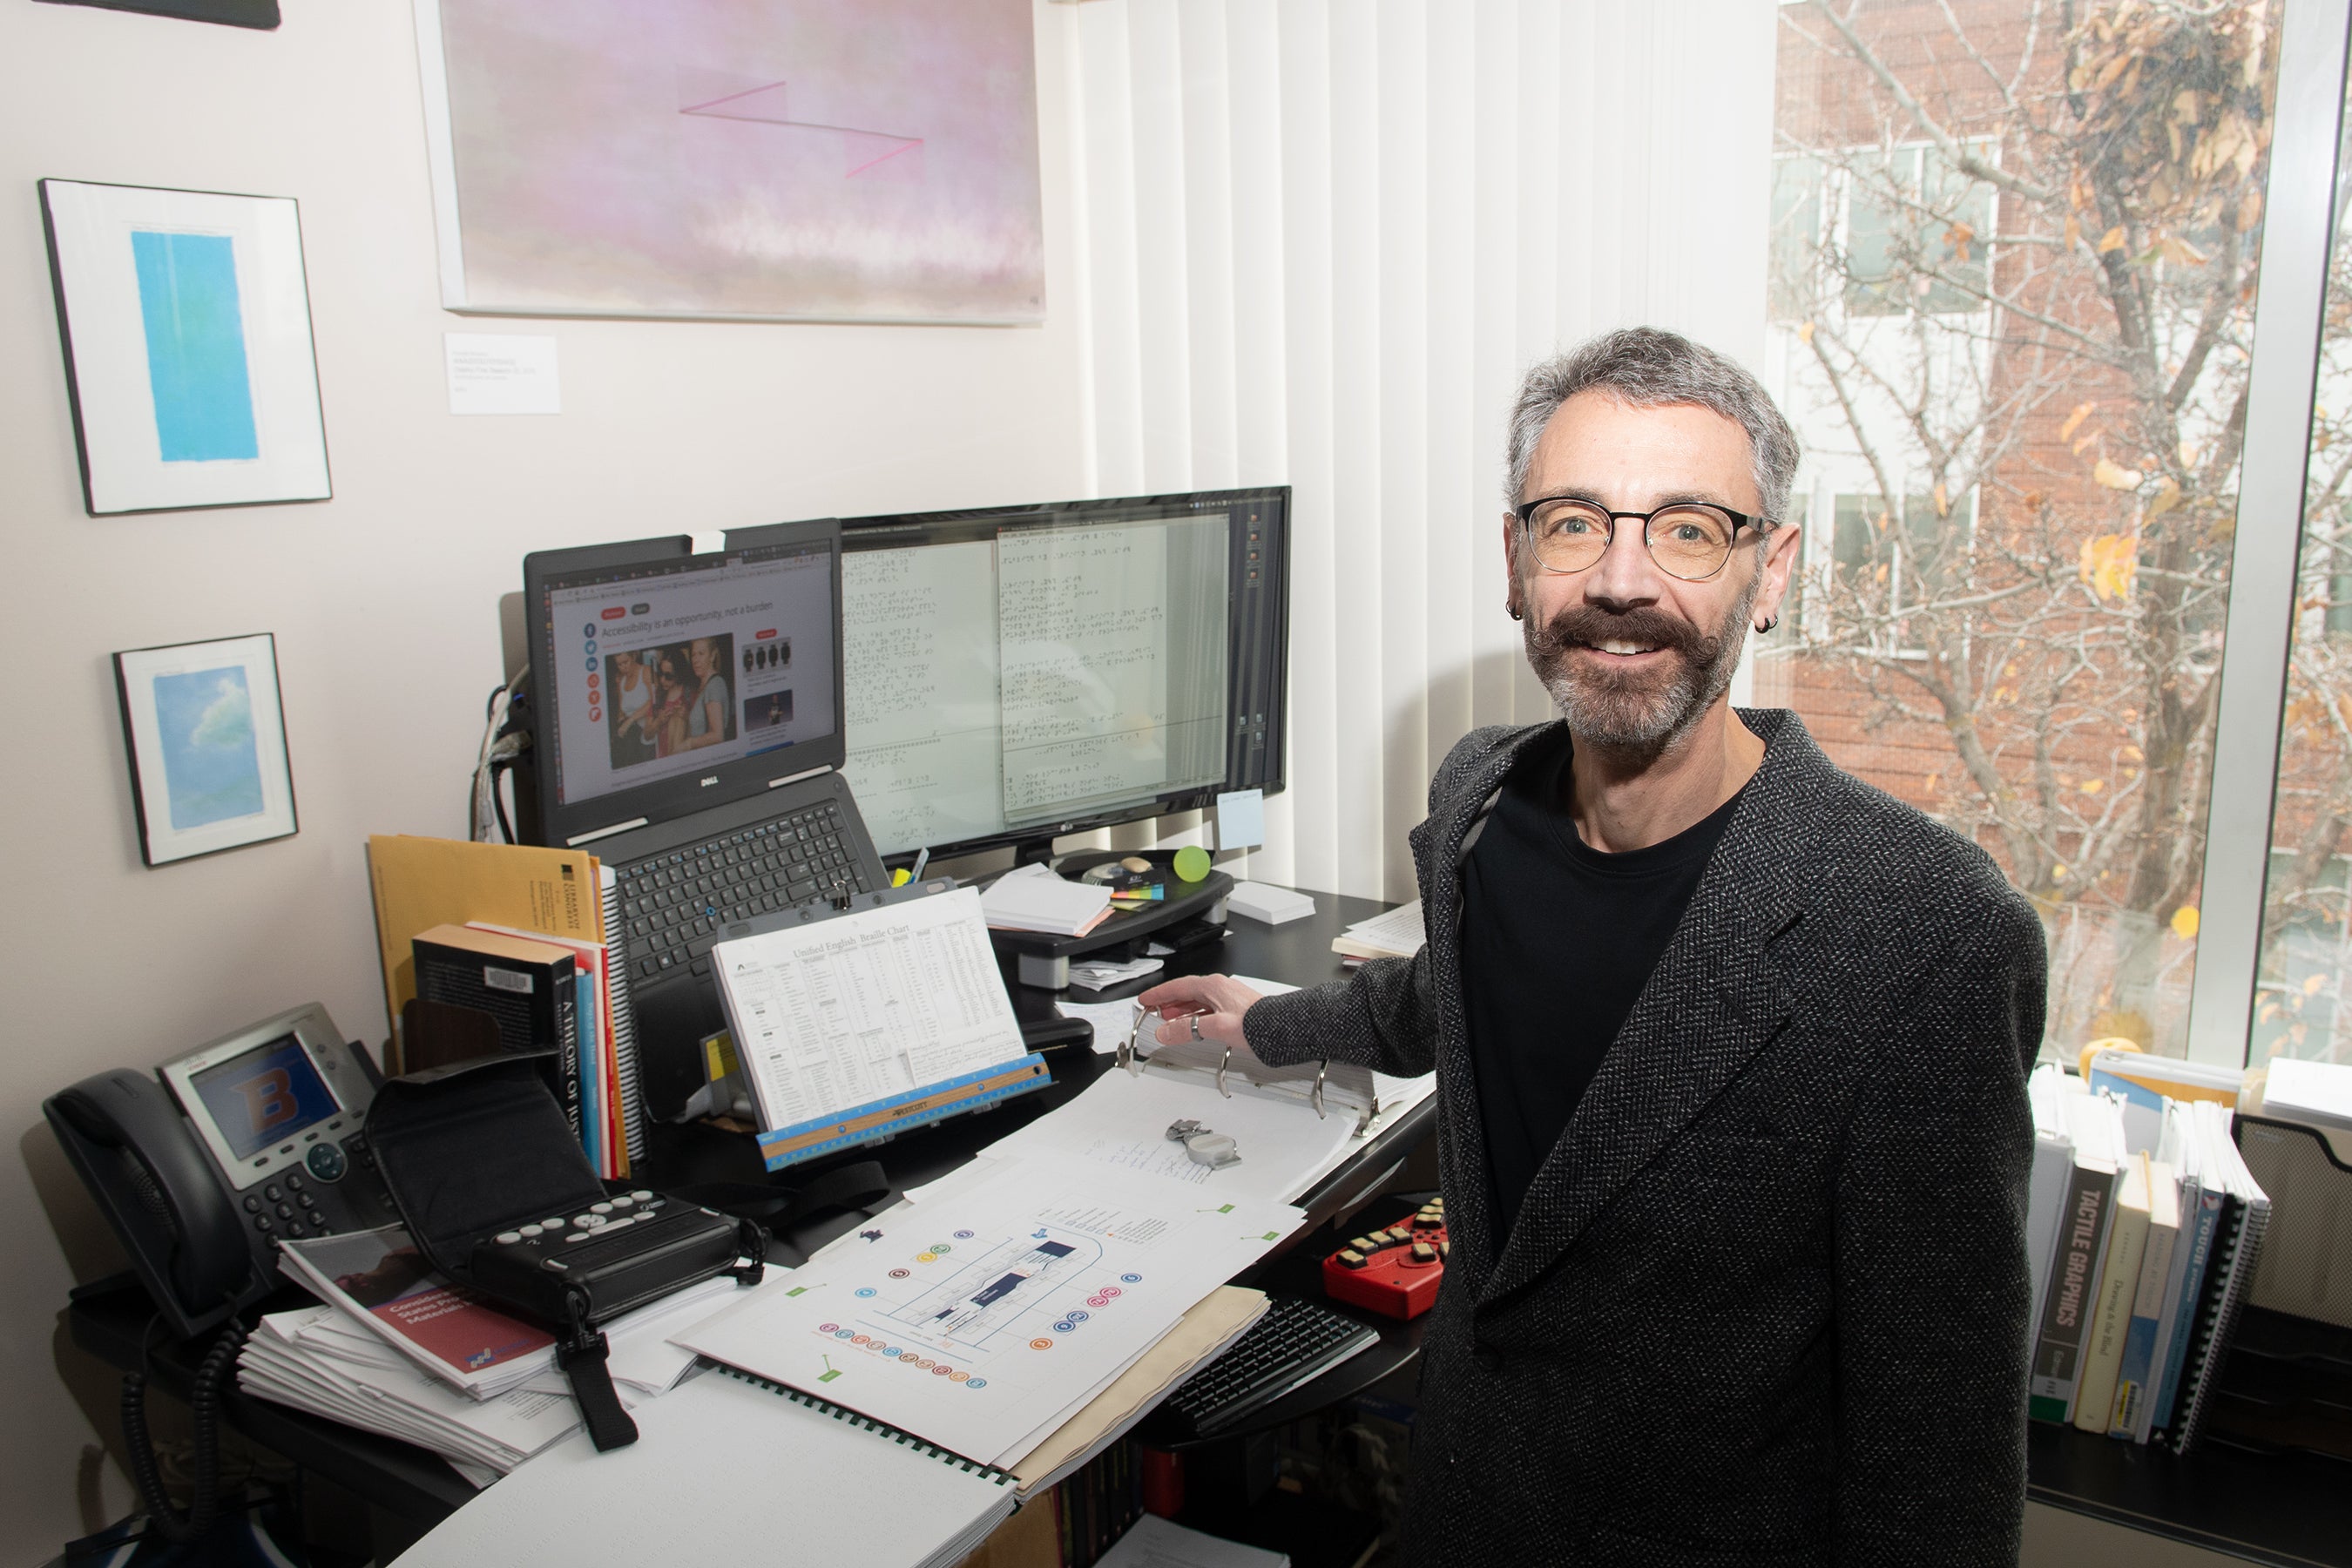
x=1296 y=1340
x=669 y=901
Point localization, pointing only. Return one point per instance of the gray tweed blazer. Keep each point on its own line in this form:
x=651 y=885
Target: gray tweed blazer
x=1765 y=1302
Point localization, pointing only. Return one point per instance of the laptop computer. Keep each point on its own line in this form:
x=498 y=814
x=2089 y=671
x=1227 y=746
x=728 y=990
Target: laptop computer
x=686 y=713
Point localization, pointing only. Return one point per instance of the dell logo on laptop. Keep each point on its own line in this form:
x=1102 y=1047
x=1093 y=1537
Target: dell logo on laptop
x=711 y=780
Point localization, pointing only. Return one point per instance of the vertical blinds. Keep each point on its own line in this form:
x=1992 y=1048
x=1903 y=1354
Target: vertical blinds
x=1319 y=242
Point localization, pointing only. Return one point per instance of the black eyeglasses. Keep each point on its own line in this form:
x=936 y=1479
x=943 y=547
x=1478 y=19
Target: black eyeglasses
x=1688 y=539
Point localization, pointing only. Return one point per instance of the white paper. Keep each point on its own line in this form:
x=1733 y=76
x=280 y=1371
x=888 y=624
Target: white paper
x=840 y=1014
x=502 y=372
x=724 y=1472
x=919 y=671
x=1401 y=930
x=1264 y=902
x=404 y=1399
x=2309 y=1089
x=1111 y=1020
x=1121 y=1121
x=1104 y=975
x=1156 y=1542
x=1241 y=819
x=985 y=1314
x=1023 y=899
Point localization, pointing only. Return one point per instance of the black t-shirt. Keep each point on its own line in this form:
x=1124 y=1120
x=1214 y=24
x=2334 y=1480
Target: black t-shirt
x=1558 y=939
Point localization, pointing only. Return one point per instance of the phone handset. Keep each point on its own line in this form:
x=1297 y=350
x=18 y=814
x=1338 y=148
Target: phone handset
x=140 y=1160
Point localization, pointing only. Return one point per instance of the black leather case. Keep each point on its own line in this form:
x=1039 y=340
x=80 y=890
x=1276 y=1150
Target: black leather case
x=476 y=1148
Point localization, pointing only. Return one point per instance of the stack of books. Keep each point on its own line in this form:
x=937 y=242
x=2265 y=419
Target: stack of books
x=2143 y=1239
x=444 y=906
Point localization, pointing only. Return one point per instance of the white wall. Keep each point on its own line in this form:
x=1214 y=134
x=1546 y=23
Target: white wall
x=384 y=600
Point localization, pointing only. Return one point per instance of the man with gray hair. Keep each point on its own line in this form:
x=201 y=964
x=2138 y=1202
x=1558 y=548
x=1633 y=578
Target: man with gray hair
x=1730 y=1053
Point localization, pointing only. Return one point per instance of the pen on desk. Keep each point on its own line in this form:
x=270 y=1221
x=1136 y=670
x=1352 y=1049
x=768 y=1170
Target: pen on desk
x=922 y=858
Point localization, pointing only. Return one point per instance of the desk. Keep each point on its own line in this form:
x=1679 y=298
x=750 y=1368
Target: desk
x=409 y=1490
x=2268 y=1510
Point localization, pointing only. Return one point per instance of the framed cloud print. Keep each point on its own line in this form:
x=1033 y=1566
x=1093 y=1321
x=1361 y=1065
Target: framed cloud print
x=185 y=319
x=207 y=736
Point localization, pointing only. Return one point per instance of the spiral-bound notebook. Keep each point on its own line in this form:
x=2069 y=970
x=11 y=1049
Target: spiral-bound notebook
x=2237 y=1250
x=726 y=1469
x=625 y=1025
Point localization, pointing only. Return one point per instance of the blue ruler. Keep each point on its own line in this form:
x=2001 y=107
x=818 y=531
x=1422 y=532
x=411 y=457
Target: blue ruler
x=903 y=1112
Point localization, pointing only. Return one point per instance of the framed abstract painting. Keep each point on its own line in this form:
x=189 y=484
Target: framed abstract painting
x=761 y=160
x=185 y=319
x=207 y=736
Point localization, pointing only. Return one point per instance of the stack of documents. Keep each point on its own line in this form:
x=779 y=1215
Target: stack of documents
x=1264 y=902
x=382 y=1284
x=2317 y=1094
x=1396 y=934
x=1031 y=898
x=396 y=1349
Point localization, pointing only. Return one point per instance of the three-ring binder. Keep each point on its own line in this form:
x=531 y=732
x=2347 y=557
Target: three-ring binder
x=1129 y=1055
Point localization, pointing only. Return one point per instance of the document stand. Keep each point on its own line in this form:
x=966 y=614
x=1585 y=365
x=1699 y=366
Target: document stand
x=1043 y=959
x=884 y=1120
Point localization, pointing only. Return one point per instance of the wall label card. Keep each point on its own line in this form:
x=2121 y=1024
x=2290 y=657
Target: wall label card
x=502 y=372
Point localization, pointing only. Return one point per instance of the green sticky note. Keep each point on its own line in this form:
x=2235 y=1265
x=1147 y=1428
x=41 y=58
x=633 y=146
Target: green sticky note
x=1192 y=862
x=829 y=1376
x=1226 y=1209
x=797 y=1290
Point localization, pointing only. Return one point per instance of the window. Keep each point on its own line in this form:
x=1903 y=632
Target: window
x=2019 y=295
x=1917 y=234
x=2306 y=950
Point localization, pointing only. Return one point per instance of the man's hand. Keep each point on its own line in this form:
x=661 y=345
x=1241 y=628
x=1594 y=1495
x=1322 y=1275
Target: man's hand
x=1216 y=1000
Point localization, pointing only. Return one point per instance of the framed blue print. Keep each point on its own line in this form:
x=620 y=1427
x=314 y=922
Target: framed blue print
x=185 y=320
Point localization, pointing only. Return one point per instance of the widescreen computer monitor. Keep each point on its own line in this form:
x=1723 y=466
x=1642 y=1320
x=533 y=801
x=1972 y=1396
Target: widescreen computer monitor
x=624 y=635
x=1017 y=673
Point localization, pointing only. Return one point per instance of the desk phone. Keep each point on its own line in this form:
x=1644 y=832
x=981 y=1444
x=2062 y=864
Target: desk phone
x=205 y=1166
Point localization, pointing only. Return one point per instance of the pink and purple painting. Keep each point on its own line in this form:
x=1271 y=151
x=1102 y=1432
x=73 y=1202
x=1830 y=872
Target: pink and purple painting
x=838 y=160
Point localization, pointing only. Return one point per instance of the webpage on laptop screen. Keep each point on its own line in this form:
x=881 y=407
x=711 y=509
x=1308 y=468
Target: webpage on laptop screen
x=667 y=673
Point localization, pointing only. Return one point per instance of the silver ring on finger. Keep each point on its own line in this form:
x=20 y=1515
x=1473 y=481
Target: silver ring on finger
x=1196 y=1026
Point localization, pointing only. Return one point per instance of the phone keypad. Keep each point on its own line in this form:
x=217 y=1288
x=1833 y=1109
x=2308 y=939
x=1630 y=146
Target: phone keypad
x=288 y=1207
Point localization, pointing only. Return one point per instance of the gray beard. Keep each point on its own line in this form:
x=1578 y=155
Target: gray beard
x=1643 y=716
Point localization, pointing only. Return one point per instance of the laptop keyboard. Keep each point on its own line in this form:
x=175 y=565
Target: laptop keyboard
x=669 y=901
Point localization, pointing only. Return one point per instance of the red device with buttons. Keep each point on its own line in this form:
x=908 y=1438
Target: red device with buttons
x=1395 y=1271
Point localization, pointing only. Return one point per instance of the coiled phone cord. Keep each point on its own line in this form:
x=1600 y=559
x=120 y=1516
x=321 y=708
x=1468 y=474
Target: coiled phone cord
x=204 y=1401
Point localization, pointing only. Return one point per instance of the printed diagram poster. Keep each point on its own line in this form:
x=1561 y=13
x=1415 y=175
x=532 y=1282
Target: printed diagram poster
x=981 y=1317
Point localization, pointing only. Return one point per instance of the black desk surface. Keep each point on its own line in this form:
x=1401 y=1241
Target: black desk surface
x=111 y=1319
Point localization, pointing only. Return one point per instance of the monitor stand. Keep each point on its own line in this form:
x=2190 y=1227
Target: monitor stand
x=1192 y=913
